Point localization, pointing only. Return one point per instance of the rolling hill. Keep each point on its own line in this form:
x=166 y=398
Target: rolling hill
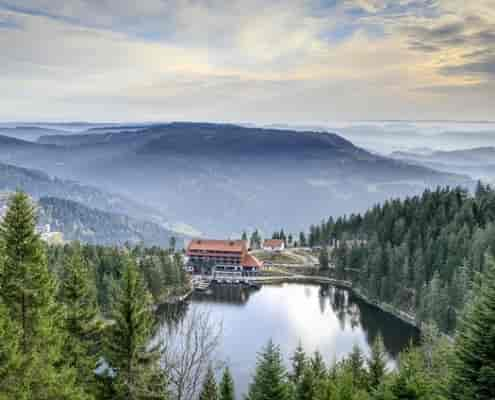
x=477 y=162
x=224 y=178
x=89 y=225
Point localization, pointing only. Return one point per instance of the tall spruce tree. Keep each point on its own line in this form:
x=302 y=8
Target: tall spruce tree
x=227 y=389
x=81 y=318
x=356 y=366
x=474 y=365
x=299 y=362
x=10 y=358
x=133 y=364
x=27 y=292
x=270 y=380
x=307 y=386
x=377 y=364
x=209 y=391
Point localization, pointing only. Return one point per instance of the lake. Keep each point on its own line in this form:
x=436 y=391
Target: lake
x=321 y=317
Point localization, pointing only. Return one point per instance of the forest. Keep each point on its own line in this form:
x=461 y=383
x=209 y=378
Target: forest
x=90 y=225
x=421 y=255
x=62 y=338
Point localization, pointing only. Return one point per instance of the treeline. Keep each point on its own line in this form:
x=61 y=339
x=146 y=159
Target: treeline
x=162 y=269
x=436 y=370
x=420 y=254
x=54 y=344
x=89 y=225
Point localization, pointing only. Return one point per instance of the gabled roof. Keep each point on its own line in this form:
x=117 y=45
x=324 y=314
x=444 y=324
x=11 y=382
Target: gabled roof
x=251 y=261
x=217 y=245
x=273 y=243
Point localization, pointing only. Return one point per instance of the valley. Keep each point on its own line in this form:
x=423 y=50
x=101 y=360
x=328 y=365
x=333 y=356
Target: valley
x=219 y=179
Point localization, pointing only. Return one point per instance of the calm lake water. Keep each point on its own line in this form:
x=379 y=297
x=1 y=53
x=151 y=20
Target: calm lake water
x=321 y=317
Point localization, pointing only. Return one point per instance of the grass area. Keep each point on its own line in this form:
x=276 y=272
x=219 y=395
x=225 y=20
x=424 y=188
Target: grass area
x=277 y=258
x=304 y=253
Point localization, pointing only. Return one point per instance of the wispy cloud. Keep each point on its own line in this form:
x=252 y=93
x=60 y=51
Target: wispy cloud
x=262 y=60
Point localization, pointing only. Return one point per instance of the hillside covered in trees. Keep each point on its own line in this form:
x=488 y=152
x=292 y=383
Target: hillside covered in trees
x=89 y=225
x=420 y=255
x=53 y=336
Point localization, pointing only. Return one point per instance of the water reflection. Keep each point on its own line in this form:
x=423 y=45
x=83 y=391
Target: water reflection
x=321 y=317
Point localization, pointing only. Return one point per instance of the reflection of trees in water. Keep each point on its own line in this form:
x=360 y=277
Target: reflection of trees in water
x=396 y=334
x=350 y=310
x=231 y=294
x=170 y=315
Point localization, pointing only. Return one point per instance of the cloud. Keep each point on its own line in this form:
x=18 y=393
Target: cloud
x=262 y=60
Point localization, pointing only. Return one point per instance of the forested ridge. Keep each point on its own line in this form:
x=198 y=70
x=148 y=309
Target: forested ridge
x=420 y=255
x=89 y=225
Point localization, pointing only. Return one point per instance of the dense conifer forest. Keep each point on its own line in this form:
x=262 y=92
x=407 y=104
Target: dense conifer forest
x=422 y=255
x=76 y=322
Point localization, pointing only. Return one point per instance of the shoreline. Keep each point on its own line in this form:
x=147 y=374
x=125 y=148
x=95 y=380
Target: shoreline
x=267 y=280
x=384 y=307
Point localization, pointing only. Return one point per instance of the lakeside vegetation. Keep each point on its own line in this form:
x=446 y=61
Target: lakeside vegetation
x=422 y=255
x=55 y=344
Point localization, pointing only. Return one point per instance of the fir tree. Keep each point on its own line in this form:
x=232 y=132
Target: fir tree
x=474 y=366
x=412 y=381
x=10 y=358
x=81 y=318
x=298 y=364
x=227 y=390
x=307 y=386
x=356 y=366
x=134 y=366
x=318 y=365
x=377 y=365
x=27 y=295
x=209 y=391
x=270 y=380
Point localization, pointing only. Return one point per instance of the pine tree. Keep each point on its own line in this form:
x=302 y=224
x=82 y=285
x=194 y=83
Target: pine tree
x=81 y=318
x=474 y=366
x=28 y=289
x=27 y=293
x=356 y=366
x=134 y=366
x=307 y=386
x=270 y=381
x=227 y=388
x=377 y=365
x=10 y=358
x=209 y=390
x=298 y=364
x=412 y=381
x=318 y=365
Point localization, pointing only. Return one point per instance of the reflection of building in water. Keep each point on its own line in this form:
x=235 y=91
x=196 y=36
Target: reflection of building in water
x=222 y=258
x=231 y=294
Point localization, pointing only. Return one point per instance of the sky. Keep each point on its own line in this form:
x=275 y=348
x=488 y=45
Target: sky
x=260 y=61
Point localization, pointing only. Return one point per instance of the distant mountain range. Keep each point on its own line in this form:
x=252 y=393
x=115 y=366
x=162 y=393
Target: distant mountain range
x=223 y=178
x=86 y=213
x=477 y=162
x=28 y=133
x=39 y=184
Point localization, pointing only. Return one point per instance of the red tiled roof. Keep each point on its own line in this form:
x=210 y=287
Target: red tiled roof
x=251 y=261
x=273 y=243
x=217 y=245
